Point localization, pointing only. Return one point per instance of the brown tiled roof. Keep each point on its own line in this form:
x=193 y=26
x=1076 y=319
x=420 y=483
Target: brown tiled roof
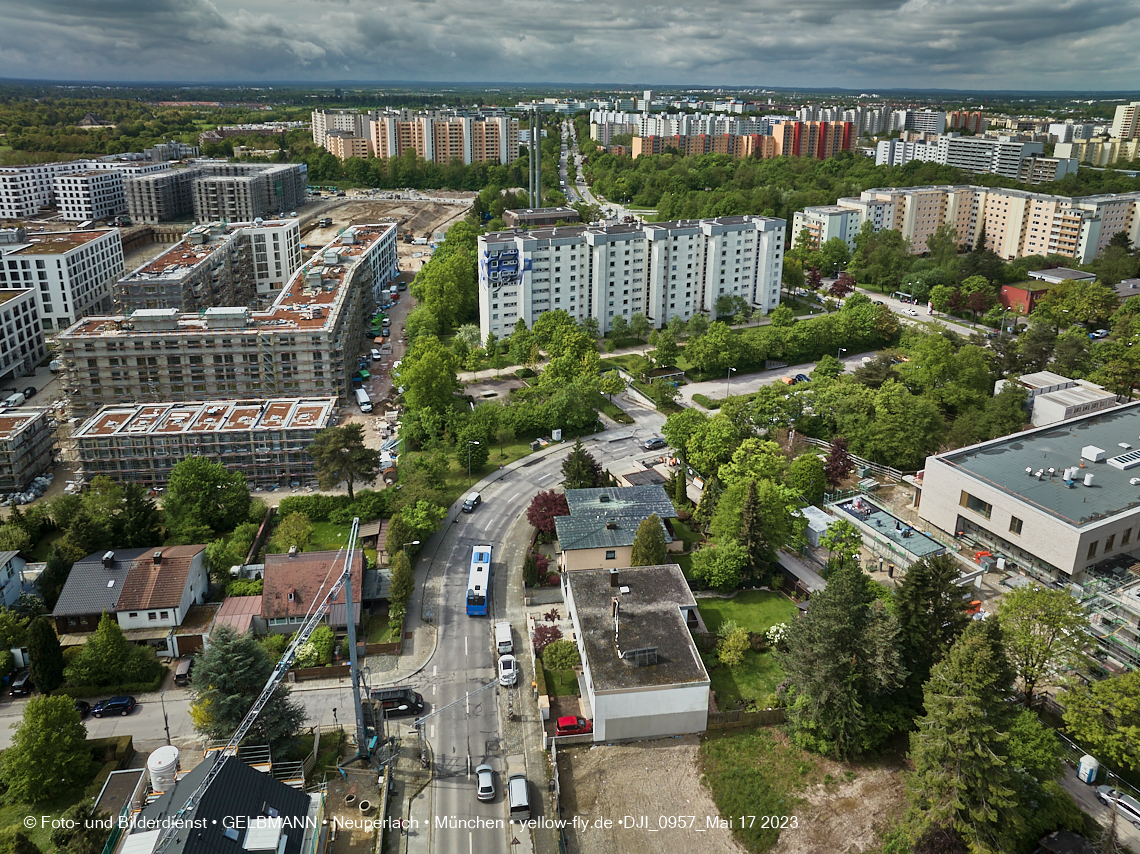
x=238 y=612
x=308 y=576
x=151 y=585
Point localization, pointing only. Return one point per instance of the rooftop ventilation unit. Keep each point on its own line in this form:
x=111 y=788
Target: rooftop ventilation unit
x=1124 y=462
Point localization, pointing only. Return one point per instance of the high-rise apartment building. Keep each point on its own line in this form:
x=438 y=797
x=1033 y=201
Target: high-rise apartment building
x=444 y=138
x=25 y=190
x=89 y=196
x=307 y=343
x=165 y=196
x=1101 y=151
x=216 y=190
x=662 y=270
x=238 y=264
x=354 y=122
x=753 y=145
x=342 y=144
x=818 y=140
x=70 y=273
x=965 y=120
x=1001 y=156
x=1126 y=122
x=1015 y=223
x=22 y=345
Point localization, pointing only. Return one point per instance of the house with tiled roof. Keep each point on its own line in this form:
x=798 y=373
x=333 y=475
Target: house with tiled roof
x=293 y=584
x=150 y=592
x=603 y=522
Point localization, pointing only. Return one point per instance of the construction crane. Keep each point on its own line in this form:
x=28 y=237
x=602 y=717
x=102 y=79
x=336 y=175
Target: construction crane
x=312 y=621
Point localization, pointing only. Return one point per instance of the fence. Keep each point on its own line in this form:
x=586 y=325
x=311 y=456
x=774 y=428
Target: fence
x=860 y=463
x=736 y=718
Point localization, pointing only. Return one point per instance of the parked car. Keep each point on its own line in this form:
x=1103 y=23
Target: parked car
x=911 y=312
x=21 y=685
x=508 y=671
x=1100 y=333
x=114 y=706
x=573 y=726
x=801 y=378
x=654 y=443
x=1126 y=805
x=485 y=783
x=83 y=707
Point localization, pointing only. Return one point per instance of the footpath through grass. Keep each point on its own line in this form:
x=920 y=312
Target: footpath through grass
x=756 y=773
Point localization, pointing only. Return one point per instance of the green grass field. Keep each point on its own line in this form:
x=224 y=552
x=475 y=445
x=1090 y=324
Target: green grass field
x=561 y=683
x=755 y=610
x=755 y=678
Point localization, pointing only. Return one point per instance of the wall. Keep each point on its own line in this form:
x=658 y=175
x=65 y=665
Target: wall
x=650 y=712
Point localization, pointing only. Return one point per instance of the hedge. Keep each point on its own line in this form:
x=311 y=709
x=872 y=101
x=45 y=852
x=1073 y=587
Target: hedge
x=540 y=679
x=368 y=504
x=122 y=745
x=81 y=691
x=706 y=402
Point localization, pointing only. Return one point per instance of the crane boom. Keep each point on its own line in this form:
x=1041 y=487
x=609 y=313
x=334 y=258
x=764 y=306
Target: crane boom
x=271 y=686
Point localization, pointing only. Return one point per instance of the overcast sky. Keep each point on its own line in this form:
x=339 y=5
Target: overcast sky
x=970 y=44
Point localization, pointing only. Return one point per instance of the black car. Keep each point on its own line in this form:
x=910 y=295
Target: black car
x=21 y=685
x=83 y=707
x=30 y=391
x=114 y=706
x=802 y=378
x=654 y=443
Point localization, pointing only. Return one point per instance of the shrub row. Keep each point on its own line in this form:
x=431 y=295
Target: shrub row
x=81 y=691
x=706 y=402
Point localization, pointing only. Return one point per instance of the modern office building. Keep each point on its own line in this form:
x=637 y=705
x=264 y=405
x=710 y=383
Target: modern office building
x=22 y=345
x=263 y=439
x=215 y=265
x=1015 y=222
x=26 y=441
x=661 y=270
x=1054 y=398
x=1053 y=501
x=70 y=272
x=307 y=343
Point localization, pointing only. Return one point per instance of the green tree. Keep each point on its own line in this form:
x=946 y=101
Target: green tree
x=48 y=751
x=140 y=521
x=931 y=614
x=834 y=255
x=959 y=749
x=1044 y=631
x=773 y=523
x=806 y=476
x=843 y=663
x=403 y=579
x=45 y=657
x=80 y=830
x=293 y=531
x=580 y=470
x=530 y=570
x=504 y=435
x=639 y=325
x=561 y=655
x=13 y=629
x=13 y=538
x=428 y=374
x=107 y=658
x=722 y=567
x=619 y=327
x=943 y=245
x=715 y=351
x=649 y=546
x=1105 y=717
x=612 y=383
x=680 y=494
x=781 y=315
x=842 y=541
x=340 y=455
x=229 y=675
x=667 y=352
x=733 y=641
x=226 y=552
x=13 y=840
x=202 y=494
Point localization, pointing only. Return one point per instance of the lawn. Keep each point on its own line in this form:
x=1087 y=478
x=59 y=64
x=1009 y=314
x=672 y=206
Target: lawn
x=561 y=683
x=755 y=772
x=613 y=410
x=377 y=629
x=43 y=548
x=329 y=536
x=13 y=815
x=755 y=610
x=752 y=681
x=686 y=532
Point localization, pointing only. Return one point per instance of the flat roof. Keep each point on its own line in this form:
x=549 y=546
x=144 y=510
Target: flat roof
x=1042 y=379
x=1077 y=394
x=299 y=306
x=12 y=421
x=1001 y=464
x=58 y=242
x=183 y=257
x=650 y=603
x=217 y=416
x=1061 y=274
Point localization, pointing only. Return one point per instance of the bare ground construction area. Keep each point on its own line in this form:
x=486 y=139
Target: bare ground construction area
x=829 y=806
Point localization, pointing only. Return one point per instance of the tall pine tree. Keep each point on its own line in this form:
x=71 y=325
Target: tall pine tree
x=580 y=470
x=962 y=776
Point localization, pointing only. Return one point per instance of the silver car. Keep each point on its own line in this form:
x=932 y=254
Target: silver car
x=1126 y=805
x=485 y=783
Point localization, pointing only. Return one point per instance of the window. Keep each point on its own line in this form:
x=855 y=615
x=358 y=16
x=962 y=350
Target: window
x=133 y=614
x=975 y=504
x=1109 y=542
x=1092 y=550
x=165 y=615
x=1126 y=537
x=611 y=554
x=151 y=615
x=1014 y=525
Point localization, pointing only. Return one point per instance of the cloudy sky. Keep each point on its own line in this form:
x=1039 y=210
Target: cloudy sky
x=974 y=44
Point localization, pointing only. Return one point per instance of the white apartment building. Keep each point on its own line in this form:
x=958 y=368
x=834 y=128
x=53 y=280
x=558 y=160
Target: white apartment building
x=1126 y=122
x=824 y=222
x=1016 y=222
x=69 y=272
x=353 y=121
x=307 y=343
x=22 y=344
x=1002 y=156
x=661 y=270
x=25 y=190
x=88 y=196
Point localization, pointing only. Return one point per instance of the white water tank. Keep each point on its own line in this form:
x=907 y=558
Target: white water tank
x=162 y=765
x=1089 y=479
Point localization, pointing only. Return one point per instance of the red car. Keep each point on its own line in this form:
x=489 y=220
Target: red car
x=573 y=726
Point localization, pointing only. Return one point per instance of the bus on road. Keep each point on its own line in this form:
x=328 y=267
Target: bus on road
x=478 y=581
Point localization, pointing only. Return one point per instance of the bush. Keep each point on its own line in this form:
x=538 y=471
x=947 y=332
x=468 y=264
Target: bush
x=561 y=655
x=544 y=636
x=245 y=587
x=540 y=680
x=323 y=642
x=119 y=748
x=81 y=691
x=275 y=645
x=553 y=580
x=7 y=663
x=706 y=402
x=96 y=786
x=317 y=507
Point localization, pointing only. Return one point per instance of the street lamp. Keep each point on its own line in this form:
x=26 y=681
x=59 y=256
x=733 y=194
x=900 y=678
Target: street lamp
x=469 y=444
x=412 y=543
x=728 y=382
x=839 y=355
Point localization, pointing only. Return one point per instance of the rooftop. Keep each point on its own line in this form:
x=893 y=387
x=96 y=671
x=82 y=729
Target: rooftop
x=592 y=532
x=1010 y=464
x=92 y=587
x=293 y=585
x=12 y=421
x=650 y=605
x=630 y=501
x=183 y=256
x=58 y=242
x=238 y=612
x=209 y=417
x=11 y=293
x=310 y=301
x=1043 y=379
x=1061 y=274
x=158 y=583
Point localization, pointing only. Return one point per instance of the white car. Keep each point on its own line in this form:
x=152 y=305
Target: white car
x=1100 y=333
x=508 y=671
x=912 y=312
x=485 y=783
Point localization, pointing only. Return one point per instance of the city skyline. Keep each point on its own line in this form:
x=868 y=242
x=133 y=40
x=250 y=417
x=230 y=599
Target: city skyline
x=866 y=43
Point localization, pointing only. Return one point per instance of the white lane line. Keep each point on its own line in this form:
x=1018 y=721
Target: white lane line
x=433 y=731
x=465 y=647
x=434 y=670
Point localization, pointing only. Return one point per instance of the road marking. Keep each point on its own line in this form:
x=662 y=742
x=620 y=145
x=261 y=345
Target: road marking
x=467 y=702
x=469 y=766
x=434 y=670
x=516 y=495
x=465 y=647
x=470 y=844
x=433 y=730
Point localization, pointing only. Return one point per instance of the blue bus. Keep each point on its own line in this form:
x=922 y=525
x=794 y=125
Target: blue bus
x=478 y=581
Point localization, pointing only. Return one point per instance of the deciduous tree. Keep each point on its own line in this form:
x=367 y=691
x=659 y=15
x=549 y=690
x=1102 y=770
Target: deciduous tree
x=1105 y=717
x=839 y=465
x=48 y=751
x=203 y=494
x=108 y=658
x=1044 y=631
x=293 y=531
x=543 y=509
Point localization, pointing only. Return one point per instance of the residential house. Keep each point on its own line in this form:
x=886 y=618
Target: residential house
x=294 y=584
x=12 y=565
x=603 y=523
x=93 y=588
x=643 y=673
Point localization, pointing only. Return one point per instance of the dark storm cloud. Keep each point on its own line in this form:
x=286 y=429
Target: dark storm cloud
x=1045 y=44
